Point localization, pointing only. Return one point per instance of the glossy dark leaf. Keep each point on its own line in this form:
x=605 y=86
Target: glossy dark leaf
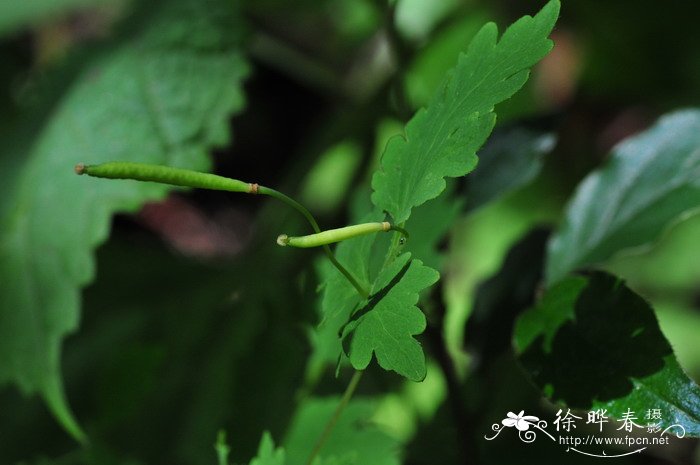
x=650 y=181
x=509 y=160
x=591 y=342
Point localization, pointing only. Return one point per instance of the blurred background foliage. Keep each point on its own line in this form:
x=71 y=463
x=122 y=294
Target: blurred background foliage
x=195 y=321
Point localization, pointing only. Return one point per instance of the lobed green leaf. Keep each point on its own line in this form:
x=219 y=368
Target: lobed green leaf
x=386 y=324
x=339 y=300
x=163 y=95
x=442 y=140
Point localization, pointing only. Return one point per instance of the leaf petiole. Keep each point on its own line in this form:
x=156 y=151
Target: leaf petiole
x=347 y=395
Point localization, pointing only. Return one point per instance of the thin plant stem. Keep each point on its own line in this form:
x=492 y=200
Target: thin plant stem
x=312 y=221
x=222 y=449
x=355 y=380
x=347 y=395
x=395 y=245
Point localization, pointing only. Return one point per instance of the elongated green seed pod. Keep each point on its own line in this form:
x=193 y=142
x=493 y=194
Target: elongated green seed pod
x=165 y=175
x=336 y=235
x=183 y=177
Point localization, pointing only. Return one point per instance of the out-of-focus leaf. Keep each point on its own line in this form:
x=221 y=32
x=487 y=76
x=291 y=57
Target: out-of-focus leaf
x=593 y=343
x=401 y=412
x=510 y=159
x=479 y=244
x=442 y=140
x=353 y=441
x=328 y=181
x=387 y=322
x=267 y=454
x=681 y=325
x=651 y=180
x=428 y=69
x=677 y=253
x=502 y=297
x=415 y=19
x=163 y=96
x=355 y=20
x=14 y=15
x=208 y=320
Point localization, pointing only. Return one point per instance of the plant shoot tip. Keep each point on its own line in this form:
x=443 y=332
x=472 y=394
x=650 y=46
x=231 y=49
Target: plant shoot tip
x=80 y=168
x=283 y=240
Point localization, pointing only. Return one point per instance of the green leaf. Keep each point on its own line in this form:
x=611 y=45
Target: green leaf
x=386 y=324
x=14 y=15
x=433 y=61
x=267 y=454
x=502 y=297
x=164 y=95
x=442 y=140
x=510 y=160
x=429 y=224
x=593 y=343
x=650 y=180
x=415 y=18
x=523 y=44
x=339 y=299
x=354 y=440
x=677 y=253
x=680 y=322
x=479 y=245
x=328 y=182
x=178 y=313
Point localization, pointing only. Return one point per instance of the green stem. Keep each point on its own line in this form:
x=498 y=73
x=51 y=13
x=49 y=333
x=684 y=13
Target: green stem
x=395 y=244
x=347 y=395
x=222 y=449
x=312 y=221
x=401 y=230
